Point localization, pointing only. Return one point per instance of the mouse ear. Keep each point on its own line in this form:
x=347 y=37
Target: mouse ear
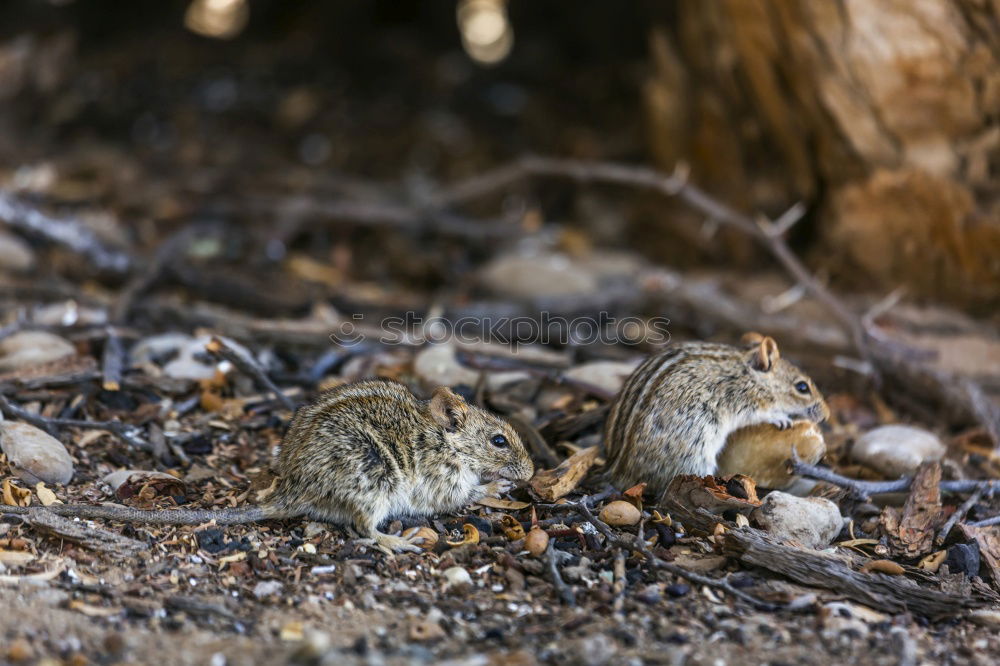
x=751 y=339
x=448 y=409
x=765 y=355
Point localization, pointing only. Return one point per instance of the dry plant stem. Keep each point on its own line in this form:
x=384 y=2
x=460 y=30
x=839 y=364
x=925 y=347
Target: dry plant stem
x=863 y=489
x=995 y=520
x=52 y=426
x=250 y=368
x=959 y=515
x=633 y=543
x=565 y=591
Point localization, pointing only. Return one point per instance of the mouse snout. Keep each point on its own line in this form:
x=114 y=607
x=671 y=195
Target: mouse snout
x=520 y=470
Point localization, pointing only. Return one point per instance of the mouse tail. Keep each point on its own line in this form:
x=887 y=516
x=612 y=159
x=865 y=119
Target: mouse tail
x=233 y=516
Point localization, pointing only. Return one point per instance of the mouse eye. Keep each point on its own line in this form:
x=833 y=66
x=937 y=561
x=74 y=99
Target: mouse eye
x=499 y=441
x=802 y=387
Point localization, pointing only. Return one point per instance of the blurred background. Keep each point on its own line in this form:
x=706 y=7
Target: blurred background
x=306 y=160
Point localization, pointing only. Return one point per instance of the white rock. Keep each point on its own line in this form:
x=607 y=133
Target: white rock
x=156 y=346
x=608 y=375
x=437 y=365
x=537 y=276
x=116 y=479
x=812 y=521
x=267 y=588
x=34 y=455
x=16 y=256
x=190 y=360
x=187 y=367
x=455 y=576
x=26 y=348
x=897 y=450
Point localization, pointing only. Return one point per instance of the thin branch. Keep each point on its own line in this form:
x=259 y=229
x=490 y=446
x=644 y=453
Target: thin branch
x=250 y=368
x=959 y=515
x=995 y=520
x=126 y=432
x=565 y=591
x=65 y=231
x=862 y=489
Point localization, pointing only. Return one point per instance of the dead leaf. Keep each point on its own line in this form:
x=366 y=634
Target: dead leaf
x=470 y=536
x=15 y=496
x=149 y=487
x=46 y=496
x=910 y=532
x=883 y=566
x=988 y=539
x=512 y=529
x=634 y=495
x=500 y=503
x=709 y=493
x=551 y=484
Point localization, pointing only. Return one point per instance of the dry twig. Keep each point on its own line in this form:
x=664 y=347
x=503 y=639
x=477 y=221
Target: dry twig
x=859 y=489
x=631 y=542
x=127 y=433
x=67 y=232
x=250 y=368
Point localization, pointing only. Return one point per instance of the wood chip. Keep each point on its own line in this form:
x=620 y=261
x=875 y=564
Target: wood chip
x=551 y=484
x=910 y=532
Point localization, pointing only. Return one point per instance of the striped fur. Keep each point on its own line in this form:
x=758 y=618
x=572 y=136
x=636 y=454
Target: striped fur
x=675 y=410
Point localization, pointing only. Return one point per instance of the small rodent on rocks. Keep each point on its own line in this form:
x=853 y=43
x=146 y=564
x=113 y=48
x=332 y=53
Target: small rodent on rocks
x=364 y=452
x=675 y=411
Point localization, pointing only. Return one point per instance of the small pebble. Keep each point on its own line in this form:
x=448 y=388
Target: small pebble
x=677 y=590
x=16 y=256
x=649 y=594
x=26 y=348
x=34 y=455
x=456 y=576
x=811 y=521
x=897 y=450
x=608 y=375
x=267 y=588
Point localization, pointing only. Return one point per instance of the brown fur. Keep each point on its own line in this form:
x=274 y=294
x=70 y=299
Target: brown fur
x=675 y=411
x=364 y=452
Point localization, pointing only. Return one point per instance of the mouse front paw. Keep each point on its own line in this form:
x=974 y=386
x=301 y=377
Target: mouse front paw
x=391 y=544
x=782 y=422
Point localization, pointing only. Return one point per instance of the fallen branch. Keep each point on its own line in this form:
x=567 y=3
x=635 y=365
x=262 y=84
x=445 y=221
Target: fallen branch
x=126 y=432
x=250 y=368
x=67 y=232
x=883 y=592
x=859 y=489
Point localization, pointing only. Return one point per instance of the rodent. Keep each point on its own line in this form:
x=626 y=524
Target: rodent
x=363 y=452
x=677 y=408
